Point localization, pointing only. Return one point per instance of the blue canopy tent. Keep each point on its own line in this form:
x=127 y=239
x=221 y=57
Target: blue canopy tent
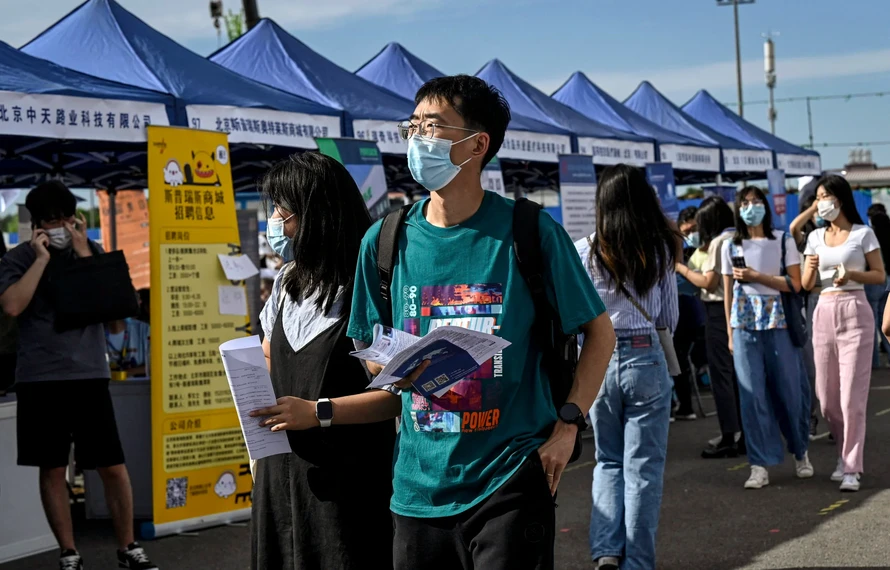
x=103 y=39
x=527 y=139
x=582 y=95
x=794 y=160
x=740 y=160
x=270 y=55
x=58 y=123
x=607 y=145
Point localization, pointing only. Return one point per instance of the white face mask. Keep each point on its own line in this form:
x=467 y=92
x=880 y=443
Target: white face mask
x=59 y=238
x=827 y=210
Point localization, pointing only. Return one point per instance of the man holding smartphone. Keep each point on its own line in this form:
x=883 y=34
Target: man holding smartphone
x=62 y=379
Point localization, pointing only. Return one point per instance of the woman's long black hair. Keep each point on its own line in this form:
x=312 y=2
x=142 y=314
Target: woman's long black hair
x=741 y=228
x=634 y=241
x=713 y=217
x=838 y=187
x=331 y=220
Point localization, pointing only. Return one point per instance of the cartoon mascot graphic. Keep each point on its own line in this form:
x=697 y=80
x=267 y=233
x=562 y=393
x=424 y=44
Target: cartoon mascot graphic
x=203 y=171
x=172 y=173
x=226 y=485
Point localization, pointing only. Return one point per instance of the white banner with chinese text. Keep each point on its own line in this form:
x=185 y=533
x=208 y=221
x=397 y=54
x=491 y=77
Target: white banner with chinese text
x=77 y=118
x=696 y=158
x=384 y=133
x=747 y=160
x=613 y=151
x=799 y=164
x=524 y=145
x=263 y=126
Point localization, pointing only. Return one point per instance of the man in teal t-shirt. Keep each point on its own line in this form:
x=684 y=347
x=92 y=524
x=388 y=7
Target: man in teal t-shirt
x=475 y=470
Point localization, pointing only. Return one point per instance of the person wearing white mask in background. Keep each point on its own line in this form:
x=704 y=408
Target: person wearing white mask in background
x=62 y=378
x=758 y=264
x=846 y=255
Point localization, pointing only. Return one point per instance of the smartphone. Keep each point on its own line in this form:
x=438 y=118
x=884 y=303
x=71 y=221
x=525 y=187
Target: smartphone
x=739 y=263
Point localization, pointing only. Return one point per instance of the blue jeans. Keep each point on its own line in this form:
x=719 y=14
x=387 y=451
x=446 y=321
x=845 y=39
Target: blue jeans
x=772 y=394
x=631 y=416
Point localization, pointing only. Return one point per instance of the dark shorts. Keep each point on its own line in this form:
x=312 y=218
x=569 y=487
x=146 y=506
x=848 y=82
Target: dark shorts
x=513 y=529
x=52 y=415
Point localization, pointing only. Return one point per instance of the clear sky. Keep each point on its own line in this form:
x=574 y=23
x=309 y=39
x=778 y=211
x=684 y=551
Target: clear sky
x=825 y=47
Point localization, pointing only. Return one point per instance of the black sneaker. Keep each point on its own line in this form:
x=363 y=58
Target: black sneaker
x=70 y=560
x=814 y=425
x=722 y=450
x=134 y=558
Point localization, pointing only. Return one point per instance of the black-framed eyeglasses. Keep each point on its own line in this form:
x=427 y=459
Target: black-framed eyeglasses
x=407 y=129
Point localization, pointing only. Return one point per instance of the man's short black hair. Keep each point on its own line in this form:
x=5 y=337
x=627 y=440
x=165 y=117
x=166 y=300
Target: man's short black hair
x=687 y=215
x=481 y=106
x=50 y=201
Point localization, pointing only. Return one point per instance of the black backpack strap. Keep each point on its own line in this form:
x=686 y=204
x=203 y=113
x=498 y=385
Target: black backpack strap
x=527 y=246
x=387 y=253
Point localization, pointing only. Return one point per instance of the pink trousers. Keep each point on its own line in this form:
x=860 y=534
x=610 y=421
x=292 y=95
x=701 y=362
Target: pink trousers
x=843 y=341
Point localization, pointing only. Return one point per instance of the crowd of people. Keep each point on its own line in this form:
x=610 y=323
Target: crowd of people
x=778 y=320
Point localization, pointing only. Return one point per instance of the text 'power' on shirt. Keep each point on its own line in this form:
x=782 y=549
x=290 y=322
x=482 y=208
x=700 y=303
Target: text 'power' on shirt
x=456 y=450
x=762 y=255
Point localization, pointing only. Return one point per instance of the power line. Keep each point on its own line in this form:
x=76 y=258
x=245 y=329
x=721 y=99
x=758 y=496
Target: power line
x=846 y=96
x=852 y=144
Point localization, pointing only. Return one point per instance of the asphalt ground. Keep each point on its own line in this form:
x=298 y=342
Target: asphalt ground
x=708 y=520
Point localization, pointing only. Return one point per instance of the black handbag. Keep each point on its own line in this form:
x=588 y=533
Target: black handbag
x=92 y=290
x=793 y=305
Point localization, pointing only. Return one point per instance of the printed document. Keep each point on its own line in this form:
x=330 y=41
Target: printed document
x=252 y=389
x=454 y=353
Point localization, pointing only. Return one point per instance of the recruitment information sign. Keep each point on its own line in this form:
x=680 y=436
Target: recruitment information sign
x=493 y=177
x=363 y=161
x=577 y=195
x=200 y=473
x=661 y=177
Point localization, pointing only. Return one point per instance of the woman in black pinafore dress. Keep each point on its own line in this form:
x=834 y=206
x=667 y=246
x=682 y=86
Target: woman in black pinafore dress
x=325 y=506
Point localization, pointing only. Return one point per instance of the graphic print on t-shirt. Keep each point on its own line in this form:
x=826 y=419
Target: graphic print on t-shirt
x=472 y=404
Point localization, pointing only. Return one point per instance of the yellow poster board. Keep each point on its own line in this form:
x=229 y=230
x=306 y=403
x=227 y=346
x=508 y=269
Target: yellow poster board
x=200 y=474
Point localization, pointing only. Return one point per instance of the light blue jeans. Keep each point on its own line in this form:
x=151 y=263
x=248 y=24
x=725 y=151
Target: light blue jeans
x=772 y=394
x=631 y=416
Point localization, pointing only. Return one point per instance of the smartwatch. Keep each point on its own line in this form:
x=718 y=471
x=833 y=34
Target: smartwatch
x=572 y=414
x=324 y=411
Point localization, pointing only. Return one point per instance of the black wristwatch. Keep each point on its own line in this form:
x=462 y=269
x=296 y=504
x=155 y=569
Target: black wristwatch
x=572 y=414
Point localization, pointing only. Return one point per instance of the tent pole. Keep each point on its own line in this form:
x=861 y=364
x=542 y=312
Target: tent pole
x=112 y=220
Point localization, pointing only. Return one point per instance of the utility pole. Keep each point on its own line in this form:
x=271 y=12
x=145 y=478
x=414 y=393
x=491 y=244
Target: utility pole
x=251 y=13
x=769 y=67
x=738 y=47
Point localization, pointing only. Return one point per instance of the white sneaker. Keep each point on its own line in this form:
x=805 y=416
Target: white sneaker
x=607 y=563
x=804 y=468
x=759 y=478
x=850 y=483
x=838 y=474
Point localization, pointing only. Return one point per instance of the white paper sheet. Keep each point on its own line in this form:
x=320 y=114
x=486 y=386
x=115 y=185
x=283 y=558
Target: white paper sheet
x=388 y=342
x=237 y=267
x=480 y=346
x=232 y=300
x=252 y=389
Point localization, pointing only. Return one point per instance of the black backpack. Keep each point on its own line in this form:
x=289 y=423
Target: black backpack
x=560 y=351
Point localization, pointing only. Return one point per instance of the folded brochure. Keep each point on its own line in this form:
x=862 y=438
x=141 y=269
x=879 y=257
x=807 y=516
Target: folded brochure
x=454 y=353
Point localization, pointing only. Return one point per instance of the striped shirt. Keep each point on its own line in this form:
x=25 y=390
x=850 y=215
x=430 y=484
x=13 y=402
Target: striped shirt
x=660 y=302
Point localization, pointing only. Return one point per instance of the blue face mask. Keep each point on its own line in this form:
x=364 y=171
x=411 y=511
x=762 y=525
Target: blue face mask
x=753 y=215
x=278 y=241
x=429 y=160
x=693 y=240
x=820 y=221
